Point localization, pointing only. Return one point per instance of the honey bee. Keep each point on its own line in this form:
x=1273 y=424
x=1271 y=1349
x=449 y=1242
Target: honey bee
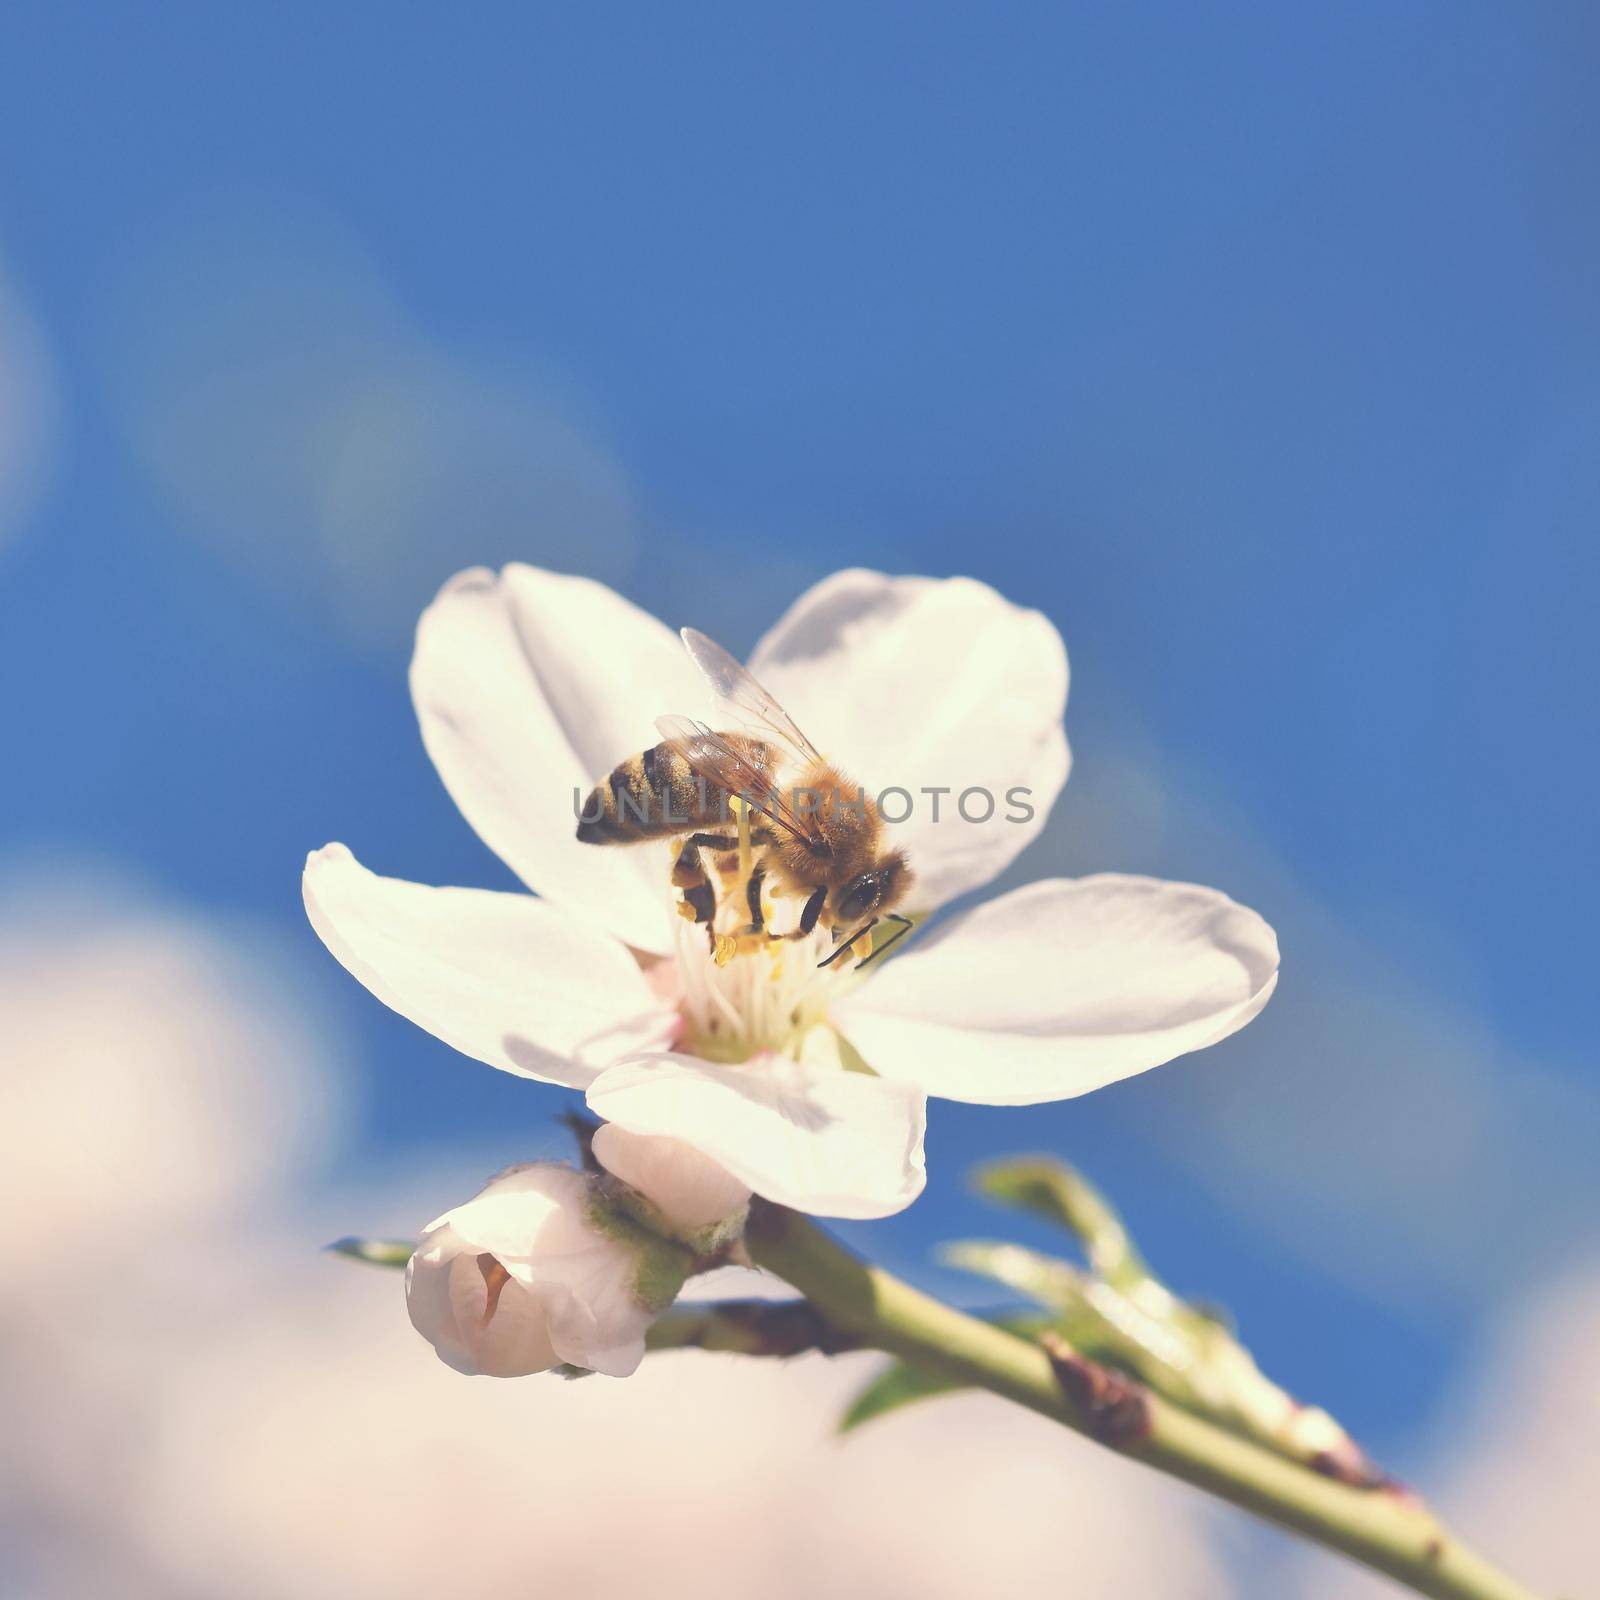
x=815 y=835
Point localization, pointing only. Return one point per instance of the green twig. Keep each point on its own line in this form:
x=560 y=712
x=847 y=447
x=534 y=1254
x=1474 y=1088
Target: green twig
x=747 y=1328
x=1389 y=1532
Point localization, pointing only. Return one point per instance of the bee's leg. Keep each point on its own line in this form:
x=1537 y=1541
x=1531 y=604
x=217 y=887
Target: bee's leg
x=698 y=901
x=686 y=870
x=728 y=841
x=752 y=898
x=720 y=872
x=711 y=841
x=810 y=912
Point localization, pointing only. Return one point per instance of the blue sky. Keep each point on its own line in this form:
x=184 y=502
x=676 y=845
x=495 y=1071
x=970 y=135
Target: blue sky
x=1256 y=345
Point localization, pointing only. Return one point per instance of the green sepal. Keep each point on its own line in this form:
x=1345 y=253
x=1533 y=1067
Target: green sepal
x=662 y=1264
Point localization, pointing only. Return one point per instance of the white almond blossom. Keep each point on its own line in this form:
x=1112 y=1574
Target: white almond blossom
x=807 y=1085
x=536 y=1271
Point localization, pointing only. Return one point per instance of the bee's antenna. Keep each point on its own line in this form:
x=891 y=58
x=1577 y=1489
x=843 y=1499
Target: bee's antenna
x=865 y=928
x=906 y=925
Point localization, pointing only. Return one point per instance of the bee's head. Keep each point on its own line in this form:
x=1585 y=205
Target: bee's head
x=872 y=892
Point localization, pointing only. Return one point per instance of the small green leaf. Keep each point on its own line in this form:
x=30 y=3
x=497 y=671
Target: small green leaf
x=1053 y=1283
x=897 y=1385
x=376 y=1252
x=1093 y=1317
x=1051 y=1189
x=900 y=1384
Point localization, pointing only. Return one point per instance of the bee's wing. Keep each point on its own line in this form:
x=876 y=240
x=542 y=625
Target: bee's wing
x=718 y=761
x=750 y=703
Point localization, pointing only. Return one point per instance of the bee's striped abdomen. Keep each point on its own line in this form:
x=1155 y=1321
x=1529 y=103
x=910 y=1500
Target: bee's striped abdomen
x=652 y=795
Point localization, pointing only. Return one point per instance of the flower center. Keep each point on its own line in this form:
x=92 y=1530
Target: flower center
x=750 y=982
x=764 y=999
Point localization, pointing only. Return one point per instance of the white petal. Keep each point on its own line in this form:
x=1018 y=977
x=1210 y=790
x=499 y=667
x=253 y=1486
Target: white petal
x=820 y=1139
x=447 y=1296
x=1062 y=987
x=501 y=977
x=526 y=1211
x=691 y=1189
x=599 y=1324
x=429 y=1303
x=920 y=683
x=509 y=1339
x=528 y=686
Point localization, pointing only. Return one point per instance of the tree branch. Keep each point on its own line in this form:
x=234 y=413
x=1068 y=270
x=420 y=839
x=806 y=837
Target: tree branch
x=747 y=1328
x=1388 y=1532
